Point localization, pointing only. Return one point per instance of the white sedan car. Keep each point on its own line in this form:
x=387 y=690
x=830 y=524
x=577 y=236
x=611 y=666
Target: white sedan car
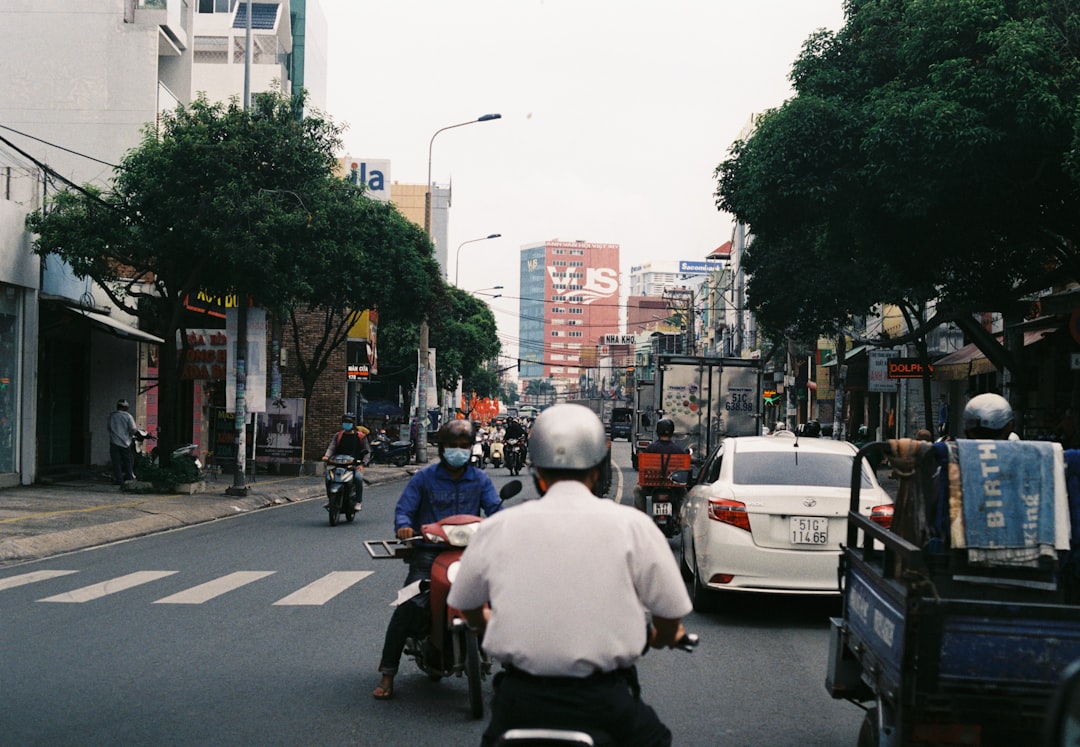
x=768 y=514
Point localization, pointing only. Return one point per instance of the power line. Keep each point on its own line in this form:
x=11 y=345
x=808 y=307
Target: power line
x=59 y=147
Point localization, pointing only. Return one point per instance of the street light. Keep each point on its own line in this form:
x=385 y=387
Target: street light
x=422 y=353
x=457 y=254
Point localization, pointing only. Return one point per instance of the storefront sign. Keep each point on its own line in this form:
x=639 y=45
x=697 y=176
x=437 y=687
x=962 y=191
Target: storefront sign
x=878 y=377
x=908 y=368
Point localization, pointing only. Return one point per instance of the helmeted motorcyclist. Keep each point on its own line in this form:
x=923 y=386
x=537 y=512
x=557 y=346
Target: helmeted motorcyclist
x=516 y=431
x=665 y=430
x=568 y=649
x=451 y=486
x=351 y=442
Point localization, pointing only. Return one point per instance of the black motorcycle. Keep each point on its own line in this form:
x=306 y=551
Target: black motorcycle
x=514 y=454
x=385 y=451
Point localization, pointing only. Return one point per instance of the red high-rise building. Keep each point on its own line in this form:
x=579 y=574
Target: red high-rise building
x=569 y=301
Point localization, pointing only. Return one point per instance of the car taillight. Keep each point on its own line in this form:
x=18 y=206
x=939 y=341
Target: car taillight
x=882 y=516
x=729 y=512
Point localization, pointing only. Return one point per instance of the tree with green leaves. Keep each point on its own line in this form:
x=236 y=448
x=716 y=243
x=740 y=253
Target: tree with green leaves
x=228 y=200
x=929 y=153
x=462 y=330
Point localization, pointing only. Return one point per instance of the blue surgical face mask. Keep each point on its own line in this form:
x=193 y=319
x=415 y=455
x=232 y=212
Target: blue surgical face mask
x=346 y=426
x=456 y=457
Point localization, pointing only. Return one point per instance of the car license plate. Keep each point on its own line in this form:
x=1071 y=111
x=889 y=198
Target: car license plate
x=661 y=509
x=809 y=530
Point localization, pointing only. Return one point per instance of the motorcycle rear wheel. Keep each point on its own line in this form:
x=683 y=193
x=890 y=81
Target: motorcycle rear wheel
x=472 y=673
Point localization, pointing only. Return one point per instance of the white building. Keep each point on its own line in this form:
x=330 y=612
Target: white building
x=81 y=81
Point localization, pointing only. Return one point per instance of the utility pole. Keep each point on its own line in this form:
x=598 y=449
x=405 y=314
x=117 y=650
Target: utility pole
x=239 y=486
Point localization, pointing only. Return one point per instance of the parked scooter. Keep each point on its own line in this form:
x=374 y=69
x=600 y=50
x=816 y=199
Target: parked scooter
x=342 y=490
x=514 y=451
x=385 y=451
x=188 y=452
x=496 y=453
x=449 y=648
x=663 y=484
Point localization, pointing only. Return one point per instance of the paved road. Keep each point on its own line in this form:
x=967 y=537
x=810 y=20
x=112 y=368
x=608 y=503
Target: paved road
x=266 y=629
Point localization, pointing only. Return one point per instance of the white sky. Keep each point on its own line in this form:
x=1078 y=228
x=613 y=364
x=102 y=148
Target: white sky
x=614 y=115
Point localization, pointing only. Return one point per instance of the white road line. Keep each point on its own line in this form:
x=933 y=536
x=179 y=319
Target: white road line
x=217 y=587
x=30 y=578
x=325 y=589
x=89 y=593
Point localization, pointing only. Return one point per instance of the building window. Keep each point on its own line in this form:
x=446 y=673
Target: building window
x=577 y=310
x=573 y=333
x=557 y=333
x=216 y=6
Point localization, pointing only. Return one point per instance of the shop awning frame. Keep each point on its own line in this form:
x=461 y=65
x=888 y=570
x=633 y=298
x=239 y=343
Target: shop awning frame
x=106 y=323
x=971 y=361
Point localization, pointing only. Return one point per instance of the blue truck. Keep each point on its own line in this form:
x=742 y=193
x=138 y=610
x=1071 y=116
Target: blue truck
x=939 y=652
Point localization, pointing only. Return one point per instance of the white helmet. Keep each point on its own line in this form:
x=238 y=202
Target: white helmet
x=990 y=411
x=567 y=437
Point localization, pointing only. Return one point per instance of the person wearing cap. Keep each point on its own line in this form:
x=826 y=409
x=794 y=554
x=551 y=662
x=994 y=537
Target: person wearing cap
x=351 y=441
x=568 y=649
x=121 y=434
x=986 y=416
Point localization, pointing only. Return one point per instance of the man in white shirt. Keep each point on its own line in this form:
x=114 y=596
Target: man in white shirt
x=121 y=433
x=569 y=579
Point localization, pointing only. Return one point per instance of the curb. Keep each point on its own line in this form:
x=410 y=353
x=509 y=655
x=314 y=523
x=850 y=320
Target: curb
x=168 y=512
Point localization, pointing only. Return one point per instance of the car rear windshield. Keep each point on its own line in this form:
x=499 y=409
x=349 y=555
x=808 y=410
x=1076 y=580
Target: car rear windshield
x=794 y=468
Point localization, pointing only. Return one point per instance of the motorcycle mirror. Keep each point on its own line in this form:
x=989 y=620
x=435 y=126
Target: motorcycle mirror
x=510 y=489
x=679 y=478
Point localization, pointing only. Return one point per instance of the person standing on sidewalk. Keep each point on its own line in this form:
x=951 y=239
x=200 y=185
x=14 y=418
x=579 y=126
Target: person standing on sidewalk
x=121 y=433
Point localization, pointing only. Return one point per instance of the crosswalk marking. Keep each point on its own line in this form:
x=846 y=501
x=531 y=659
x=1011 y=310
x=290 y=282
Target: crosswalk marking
x=217 y=587
x=96 y=591
x=325 y=589
x=30 y=578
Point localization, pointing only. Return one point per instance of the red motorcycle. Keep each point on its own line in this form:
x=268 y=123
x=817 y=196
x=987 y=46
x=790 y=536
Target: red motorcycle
x=450 y=648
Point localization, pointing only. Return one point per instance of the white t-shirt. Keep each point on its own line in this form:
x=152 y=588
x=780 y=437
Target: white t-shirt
x=568 y=578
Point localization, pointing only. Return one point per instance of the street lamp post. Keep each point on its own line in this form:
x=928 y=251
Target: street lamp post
x=422 y=353
x=457 y=254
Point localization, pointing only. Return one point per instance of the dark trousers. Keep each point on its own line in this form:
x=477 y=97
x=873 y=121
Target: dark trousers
x=607 y=706
x=122 y=463
x=411 y=618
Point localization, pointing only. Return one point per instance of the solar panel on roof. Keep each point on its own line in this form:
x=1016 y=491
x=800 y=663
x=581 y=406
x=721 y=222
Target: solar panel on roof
x=263 y=16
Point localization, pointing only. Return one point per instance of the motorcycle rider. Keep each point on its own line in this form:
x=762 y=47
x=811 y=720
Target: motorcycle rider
x=568 y=650
x=515 y=430
x=665 y=429
x=350 y=441
x=450 y=486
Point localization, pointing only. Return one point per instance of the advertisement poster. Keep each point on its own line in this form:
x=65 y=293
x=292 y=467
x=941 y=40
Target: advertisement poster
x=279 y=432
x=255 y=389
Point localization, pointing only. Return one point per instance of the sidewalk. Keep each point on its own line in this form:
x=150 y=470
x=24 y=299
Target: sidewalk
x=68 y=514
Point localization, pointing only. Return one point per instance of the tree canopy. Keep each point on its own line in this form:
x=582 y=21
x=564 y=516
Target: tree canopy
x=226 y=200
x=462 y=330
x=930 y=152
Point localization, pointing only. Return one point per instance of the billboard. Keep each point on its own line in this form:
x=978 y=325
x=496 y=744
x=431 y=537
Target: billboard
x=373 y=173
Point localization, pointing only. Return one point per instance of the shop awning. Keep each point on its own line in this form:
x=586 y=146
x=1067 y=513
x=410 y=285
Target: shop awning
x=848 y=355
x=106 y=323
x=970 y=361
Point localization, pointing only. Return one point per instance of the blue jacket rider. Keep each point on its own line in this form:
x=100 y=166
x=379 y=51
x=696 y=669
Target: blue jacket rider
x=451 y=486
